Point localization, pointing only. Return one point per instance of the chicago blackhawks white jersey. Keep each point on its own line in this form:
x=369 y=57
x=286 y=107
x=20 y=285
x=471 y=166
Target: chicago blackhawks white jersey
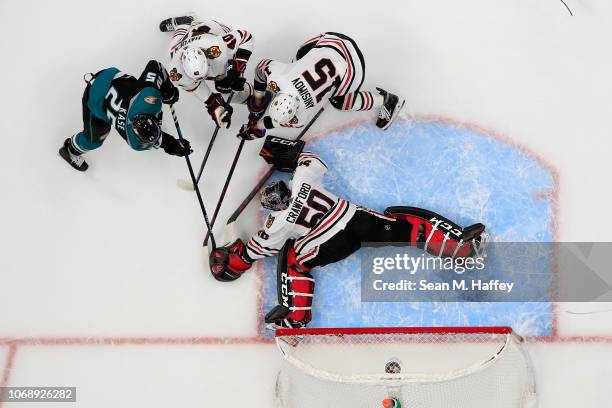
x=327 y=65
x=219 y=43
x=314 y=214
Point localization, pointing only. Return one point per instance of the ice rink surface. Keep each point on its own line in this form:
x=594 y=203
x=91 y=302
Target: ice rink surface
x=104 y=283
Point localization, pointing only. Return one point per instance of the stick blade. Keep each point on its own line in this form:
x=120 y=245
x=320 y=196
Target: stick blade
x=186 y=185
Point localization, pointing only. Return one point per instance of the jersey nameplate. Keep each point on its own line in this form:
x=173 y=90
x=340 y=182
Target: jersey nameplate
x=298 y=203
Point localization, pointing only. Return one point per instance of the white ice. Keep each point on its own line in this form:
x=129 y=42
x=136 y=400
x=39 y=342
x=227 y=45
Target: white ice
x=116 y=253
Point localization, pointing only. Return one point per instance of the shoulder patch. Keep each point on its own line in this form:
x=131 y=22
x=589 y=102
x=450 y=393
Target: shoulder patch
x=175 y=75
x=150 y=100
x=213 y=52
x=269 y=221
x=273 y=87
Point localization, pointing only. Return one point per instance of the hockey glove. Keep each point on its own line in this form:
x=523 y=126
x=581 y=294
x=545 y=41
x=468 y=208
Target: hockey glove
x=235 y=72
x=249 y=131
x=228 y=263
x=175 y=147
x=170 y=95
x=219 y=110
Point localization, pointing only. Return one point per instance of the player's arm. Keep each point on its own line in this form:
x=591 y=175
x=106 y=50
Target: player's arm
x=258 y=102
x=310 y=167
x=240 y=47
x=156 y=76
x=229 y=262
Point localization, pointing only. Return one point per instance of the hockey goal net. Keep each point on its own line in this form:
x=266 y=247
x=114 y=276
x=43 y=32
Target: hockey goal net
x=418 y=367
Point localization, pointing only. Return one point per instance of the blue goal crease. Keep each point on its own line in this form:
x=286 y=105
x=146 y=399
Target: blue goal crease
x=460 y=173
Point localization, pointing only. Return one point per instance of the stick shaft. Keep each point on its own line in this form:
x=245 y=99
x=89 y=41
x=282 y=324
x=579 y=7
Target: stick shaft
x=193 y=179
x=224 y=191
x=210 y=144
x=268 y=174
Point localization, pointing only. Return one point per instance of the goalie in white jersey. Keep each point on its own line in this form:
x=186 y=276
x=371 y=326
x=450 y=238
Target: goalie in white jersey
x=309 y=226
x=202 y=50
x=330 y=67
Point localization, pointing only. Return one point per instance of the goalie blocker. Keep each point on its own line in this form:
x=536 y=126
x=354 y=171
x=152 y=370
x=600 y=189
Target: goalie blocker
x=282 y=153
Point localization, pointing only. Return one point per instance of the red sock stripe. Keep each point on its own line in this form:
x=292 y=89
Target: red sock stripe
x=347 y=104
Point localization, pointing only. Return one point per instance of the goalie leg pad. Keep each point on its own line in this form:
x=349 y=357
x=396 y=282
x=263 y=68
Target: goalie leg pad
x=438 y=235
x=295 y=289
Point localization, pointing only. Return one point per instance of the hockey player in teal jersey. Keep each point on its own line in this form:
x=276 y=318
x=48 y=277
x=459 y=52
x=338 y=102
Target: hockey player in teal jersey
x=133 y=106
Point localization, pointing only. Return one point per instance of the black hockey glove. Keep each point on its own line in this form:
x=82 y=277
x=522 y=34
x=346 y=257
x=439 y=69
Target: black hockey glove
x=282 y=153
x=249 y=131
x=235 y=73
x=175 y=147
x=170 y=95
x=219 y=110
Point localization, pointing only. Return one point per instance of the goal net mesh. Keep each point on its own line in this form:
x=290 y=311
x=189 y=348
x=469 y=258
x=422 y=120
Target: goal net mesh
x=419 y=367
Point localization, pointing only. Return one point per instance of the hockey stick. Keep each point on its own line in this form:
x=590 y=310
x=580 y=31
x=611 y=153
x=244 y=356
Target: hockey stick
x=197 y=190
x=268 y=173
x=222 y=196
x=188 y=185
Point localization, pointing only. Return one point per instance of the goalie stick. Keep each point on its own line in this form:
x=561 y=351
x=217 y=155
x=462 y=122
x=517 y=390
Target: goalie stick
x=187 y=184
x=268 y=173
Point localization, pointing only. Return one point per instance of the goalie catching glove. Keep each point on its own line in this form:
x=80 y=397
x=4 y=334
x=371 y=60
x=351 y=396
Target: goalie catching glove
x=228 y=263
x=282 y=153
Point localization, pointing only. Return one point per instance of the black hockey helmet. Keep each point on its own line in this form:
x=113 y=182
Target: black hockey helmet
x=275 y=196
x=146 y=127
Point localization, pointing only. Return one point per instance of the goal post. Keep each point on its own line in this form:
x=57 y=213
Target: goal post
x=418 y=367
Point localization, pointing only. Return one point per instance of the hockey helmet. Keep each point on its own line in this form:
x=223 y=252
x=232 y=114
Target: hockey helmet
x=194 y=63
x=147 y=128
x=275 y=196
x=283 y=107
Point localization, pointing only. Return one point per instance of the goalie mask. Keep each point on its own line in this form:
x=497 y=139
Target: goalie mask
x=275 y=196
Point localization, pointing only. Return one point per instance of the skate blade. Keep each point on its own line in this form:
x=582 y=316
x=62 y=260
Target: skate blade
x=397 y=112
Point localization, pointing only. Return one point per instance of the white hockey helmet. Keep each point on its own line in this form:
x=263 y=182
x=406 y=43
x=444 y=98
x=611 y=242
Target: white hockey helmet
x=194 y=63
x=283 y=107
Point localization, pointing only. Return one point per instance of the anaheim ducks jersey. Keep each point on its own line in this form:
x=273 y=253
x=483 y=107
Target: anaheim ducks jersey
x=219 y=43
x=314 y=214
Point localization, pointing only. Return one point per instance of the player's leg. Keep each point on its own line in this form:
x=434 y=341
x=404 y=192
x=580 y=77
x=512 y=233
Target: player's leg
x=295 y=291
x=170 y=24
x=411 y=226
x=350 y=97
x=91 y=137
x=307 y=46
x=296 y=284
x=434 y=233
